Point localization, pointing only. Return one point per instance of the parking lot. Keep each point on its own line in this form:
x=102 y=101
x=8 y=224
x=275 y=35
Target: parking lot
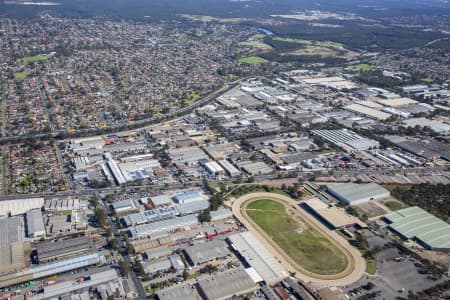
x=396 y=275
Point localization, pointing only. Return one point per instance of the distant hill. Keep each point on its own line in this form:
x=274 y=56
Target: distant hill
x=167 y=9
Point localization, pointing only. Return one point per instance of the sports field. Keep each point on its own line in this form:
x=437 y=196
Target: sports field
x=307 y=247
x=252 y=60
x=21 y=75
x=30 y=59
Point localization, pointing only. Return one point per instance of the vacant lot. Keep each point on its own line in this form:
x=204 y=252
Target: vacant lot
x=303 y=244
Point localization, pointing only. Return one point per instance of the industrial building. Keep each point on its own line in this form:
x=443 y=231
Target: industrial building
x=161 y=200
x=150 y=216
x=414 y=223
x=114 y=169
x=12 y=246
x=256 y=255
x=164 y=264
x=19 y=206
x=65 y=204
x=66 y=287
x=332 y=216
x=50 y=269
x=187 y=155
x=205 y=252
x=224 y=285
x=192 y=207
x=354 y=194
x=214 y=168
x=231 y=170
x=164 y=213
x=178 y=292
x=256 y=168
x=124 y=206
x=347 y=140
x=64 y=248
x=157 y=253
x=368 y=112
x=189 y=196
x=220 y=214
x=164 y=226
x=35 y=224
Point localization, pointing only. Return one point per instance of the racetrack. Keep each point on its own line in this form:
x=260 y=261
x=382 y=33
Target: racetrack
x=356 y=263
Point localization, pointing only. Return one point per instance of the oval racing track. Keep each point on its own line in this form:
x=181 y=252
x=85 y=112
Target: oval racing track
x=356 y=263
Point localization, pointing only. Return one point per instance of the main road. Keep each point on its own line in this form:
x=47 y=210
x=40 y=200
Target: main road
x=136 y=281
x=62 y=134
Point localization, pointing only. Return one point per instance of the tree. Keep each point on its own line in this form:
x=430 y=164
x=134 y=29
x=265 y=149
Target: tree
x=124 y=267
x=100 y=217
x=204 y=216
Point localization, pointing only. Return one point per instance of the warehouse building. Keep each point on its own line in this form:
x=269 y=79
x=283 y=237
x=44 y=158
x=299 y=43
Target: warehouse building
x=256 y=168
x=164 y=213
x=256 y=255
x=68 y=287
x=192 y=207
x=214 y=168
x=164 y=264
x=221 y=214
x=65 y=204
x=124 y=206
x=178 y=292
x=189 y=196
x=224 y=285
x=164 y=226
x=347 y=140
x=150 y=216
x=49 y=269
x=187 y=155
x=35 y=224
x=63 y=249
x=416 y=224
x=354 y=194
x=205 y=252
x=231 y=170
x=20 y=206
x=161 y=200
x=157 y=253
x=368 y=112
x=12 y=246
x=118 y=176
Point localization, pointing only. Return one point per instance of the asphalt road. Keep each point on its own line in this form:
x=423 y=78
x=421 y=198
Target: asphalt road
x=137 y=282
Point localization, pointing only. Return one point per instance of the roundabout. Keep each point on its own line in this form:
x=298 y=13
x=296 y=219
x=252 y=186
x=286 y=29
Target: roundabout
x=303 y=245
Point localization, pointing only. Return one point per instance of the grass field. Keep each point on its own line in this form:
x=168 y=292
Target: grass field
x=307 y=247
x=394 y=205
x=30 y=59
x=21 y=75
x=363 y=67
x=371 y=266
x=253 y=60
x=427 y=80
x=326 y=44
x=256 y=44
x=290 y=40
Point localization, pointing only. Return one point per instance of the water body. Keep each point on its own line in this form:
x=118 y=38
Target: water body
x=266 y=31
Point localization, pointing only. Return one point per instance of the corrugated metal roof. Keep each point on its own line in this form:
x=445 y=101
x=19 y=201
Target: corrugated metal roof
x=414 y=222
